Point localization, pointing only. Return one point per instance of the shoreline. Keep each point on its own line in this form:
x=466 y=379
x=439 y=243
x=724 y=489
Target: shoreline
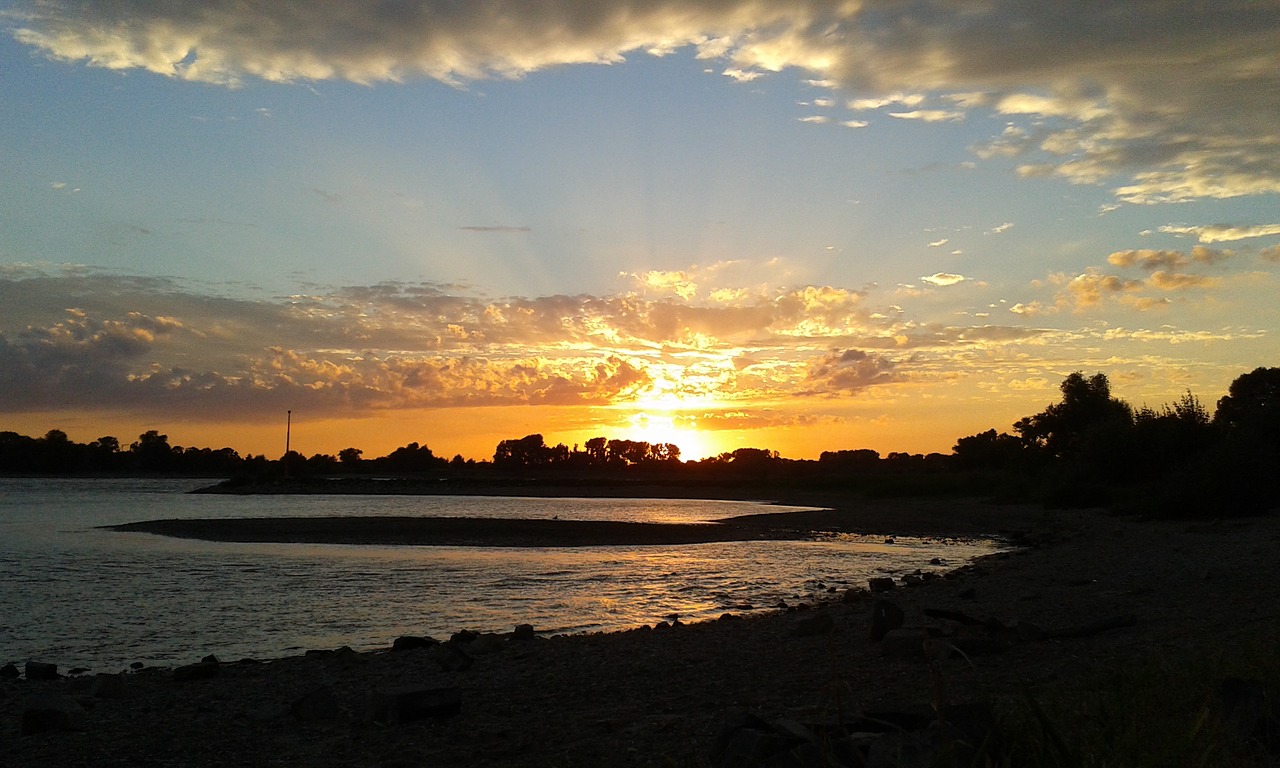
x=663 y=696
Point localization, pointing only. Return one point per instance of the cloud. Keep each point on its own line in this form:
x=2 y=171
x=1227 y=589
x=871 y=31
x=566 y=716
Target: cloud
x=939 y=243
x=849 y=370
x=814 y=119
x=497 y=228
x=1108 y=100
x=1147 y=258
x=1221 y=233
x=854 y=123
x=944 y=279
x=930 y=115
x=1001 y=229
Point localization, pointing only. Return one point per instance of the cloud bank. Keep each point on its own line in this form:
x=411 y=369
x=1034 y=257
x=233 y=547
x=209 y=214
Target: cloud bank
x=1166 y=100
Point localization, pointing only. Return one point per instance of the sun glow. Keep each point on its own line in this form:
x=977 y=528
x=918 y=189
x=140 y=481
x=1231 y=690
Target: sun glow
x=653 y=426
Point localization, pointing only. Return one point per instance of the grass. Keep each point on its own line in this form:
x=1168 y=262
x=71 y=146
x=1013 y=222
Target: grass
x=1166 y=711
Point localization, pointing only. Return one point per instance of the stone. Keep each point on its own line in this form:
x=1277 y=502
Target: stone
x=463 y=637
x=410 y=642
x=107 y=686
x=524 y=632
x=881 y=584
x=52 y=713
x=9 y=672
x=320 y=704
x=395 y=706
x=810 y=626
x=886 y=616
x=202 y=670
x=485 y=645
x=210 y=659
x=39 y=670
x=903 y=644
x=451 y=658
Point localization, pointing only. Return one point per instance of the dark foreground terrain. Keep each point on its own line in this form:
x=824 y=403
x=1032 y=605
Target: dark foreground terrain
x=1089 y=601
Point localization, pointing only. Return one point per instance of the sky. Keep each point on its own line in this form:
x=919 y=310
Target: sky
x=803 y=226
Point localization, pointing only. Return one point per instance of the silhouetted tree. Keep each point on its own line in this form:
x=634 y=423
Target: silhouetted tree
x=1087 y=408
x=1252 y=403
x=152 y=452
x=988 y=450
x=350 y=457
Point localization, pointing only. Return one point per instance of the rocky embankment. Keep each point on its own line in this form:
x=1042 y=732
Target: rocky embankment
x=873 y=675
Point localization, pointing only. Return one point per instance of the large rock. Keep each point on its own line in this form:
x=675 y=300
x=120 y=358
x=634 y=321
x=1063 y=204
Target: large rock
x=524 y=632
x=886 y=616
x=451 y=658
x=486 y=644
x=52 y=713
x=9 y=672
x=39 y=670
x=410 y=642
x=394 y=706
x=881 y=584
x=201 y=670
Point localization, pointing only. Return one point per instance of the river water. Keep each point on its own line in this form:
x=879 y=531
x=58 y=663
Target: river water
x=79 y=596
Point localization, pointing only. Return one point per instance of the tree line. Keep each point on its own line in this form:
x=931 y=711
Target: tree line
x=1088 y=448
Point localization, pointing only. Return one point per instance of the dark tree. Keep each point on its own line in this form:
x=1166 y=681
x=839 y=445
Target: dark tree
x=1252 y=402
x=1087 y=410
x=152 y=452
x=350 y=457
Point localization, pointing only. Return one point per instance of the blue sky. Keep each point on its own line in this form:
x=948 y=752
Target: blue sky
x=806 y=227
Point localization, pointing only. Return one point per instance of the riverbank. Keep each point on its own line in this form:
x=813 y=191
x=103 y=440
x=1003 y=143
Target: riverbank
x=1095 y=594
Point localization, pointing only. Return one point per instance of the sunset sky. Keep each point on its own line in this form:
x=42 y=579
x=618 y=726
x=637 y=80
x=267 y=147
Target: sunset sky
x=800 y=226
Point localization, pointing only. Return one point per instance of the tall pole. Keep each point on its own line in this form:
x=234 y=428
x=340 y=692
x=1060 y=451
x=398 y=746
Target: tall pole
x=288 y=434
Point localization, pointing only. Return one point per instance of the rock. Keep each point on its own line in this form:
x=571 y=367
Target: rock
x=463 y=637
x=524 y=632
x=662 y=625
x=853 y=595
x=394 y=706
x=77 y=671
x=410 y=642
x=210 y=659
x=727 y=617
x=52 y=713
x=202 y=670
x=317 y=705
x=935 y=561
x=818 y=624
x=107 y=686
x=135 y=666
x=485 y=644
x=39 y=670
x=451 y=658
x=886 y=616
x=903 y=644
x=9 y=672
x=968 y=593
x=881 y=584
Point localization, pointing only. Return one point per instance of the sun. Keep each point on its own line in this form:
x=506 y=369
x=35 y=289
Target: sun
x=652 y=426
